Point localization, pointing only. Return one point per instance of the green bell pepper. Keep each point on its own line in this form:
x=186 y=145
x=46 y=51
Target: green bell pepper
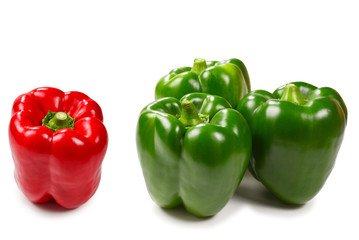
x=193 y=152
x=297 y=132
x=228 y=79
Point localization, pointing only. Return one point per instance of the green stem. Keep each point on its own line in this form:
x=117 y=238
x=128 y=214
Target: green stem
x=189 y=116
x=58 y=120
x=292 y=94
x=199 y=65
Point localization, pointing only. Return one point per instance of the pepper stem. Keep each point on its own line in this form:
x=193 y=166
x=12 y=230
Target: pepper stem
x=199 y=65
x=292 y=94
x=189 y=116
x=58 y=120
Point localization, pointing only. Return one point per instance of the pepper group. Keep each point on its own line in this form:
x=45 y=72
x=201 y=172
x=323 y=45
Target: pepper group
x=204 y=130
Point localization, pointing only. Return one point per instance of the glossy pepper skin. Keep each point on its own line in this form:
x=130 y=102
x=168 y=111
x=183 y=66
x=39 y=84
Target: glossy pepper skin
x=190 y=158
x=228 y=79
x=62 y=164
x=297 y=132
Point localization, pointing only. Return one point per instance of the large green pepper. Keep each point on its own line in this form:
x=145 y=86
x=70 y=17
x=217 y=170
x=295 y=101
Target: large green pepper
x=193 y=152
x=228 y=79
x=297 y=132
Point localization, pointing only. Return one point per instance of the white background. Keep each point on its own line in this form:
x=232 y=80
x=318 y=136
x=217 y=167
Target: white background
x=115 y=51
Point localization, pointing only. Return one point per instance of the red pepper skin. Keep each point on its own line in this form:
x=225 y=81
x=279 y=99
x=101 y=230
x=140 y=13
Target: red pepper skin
x=64 y=165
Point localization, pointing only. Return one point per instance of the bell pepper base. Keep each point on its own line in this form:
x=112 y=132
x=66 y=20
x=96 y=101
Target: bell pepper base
x=64 y=165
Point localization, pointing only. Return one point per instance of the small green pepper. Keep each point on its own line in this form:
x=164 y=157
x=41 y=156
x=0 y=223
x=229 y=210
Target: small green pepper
x=228 y=79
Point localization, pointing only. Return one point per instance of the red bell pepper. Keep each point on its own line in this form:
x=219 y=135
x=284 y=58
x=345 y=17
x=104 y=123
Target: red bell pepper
x=58 y=143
